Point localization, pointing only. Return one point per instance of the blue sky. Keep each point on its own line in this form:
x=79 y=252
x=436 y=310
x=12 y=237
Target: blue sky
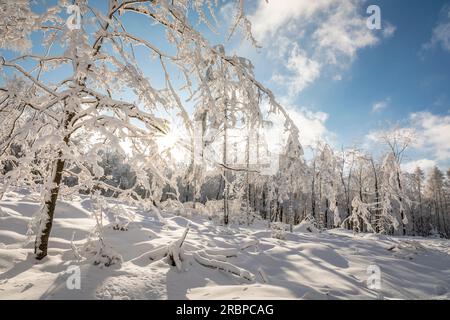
x=341 y=81
x=398 y=74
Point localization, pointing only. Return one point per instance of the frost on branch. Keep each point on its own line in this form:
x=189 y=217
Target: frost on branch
x=17 y=22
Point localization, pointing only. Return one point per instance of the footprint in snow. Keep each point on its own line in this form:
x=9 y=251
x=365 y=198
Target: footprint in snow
x=28 y=286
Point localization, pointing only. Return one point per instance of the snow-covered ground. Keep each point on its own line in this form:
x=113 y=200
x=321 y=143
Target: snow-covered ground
x=327 y=265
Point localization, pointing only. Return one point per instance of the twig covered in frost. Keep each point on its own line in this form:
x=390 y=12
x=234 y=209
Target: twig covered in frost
x=74 y=248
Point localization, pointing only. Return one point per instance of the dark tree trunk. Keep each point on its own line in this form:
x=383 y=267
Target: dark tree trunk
x=41 y=244
x=402 y=212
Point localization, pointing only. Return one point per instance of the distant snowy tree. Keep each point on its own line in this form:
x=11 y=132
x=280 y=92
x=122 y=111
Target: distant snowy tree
x=328 y=183
x=392 y=199
x=292 y=174
x=361 y=216
x=398 y=141
x=419 y=176
x=434 y=190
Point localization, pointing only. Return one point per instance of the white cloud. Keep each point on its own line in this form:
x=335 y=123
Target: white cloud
x=389 y=30
x=441 y=33
x=424 y=164
x=430 y=134
x=311 y=124
x=306 y=36
x=274 y=15
x=343 y=32
x=304 y=71
x=380 y=105
x=433 y=133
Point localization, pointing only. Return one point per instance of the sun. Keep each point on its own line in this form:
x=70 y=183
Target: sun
x=174 y=143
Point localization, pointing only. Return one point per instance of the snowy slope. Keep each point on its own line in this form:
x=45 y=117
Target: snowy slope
x=328 y=265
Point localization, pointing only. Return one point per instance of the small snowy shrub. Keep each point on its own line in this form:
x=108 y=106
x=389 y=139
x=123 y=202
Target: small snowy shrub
x=309 y=224
x=279 y=230
x=119 y=216
x=175 y=207
x=107 y=257
x=96 y=251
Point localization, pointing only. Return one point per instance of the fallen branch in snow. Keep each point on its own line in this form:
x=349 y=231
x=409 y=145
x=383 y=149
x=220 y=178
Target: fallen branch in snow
x=218 y=257
x=208 y=261
x=158 y=253
x=173 y=251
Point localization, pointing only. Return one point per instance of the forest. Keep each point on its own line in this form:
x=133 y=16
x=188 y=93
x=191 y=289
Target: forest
x=166 y=123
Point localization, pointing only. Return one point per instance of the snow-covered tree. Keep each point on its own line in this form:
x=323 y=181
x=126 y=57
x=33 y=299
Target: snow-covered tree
x=398 y=140
x=292 y=176
x=82 y=89
x=434 y=190
x=393 y=198
x=418 y=179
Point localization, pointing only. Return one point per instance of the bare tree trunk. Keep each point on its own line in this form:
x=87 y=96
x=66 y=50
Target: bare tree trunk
x=41 y=242
x=400 y=199
x=422 y=224
x=225 y=171
x=247 y=156
x=313 y=188
x=377 y=198
x=442 y=211
x=346 y=186
x=361 y=198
